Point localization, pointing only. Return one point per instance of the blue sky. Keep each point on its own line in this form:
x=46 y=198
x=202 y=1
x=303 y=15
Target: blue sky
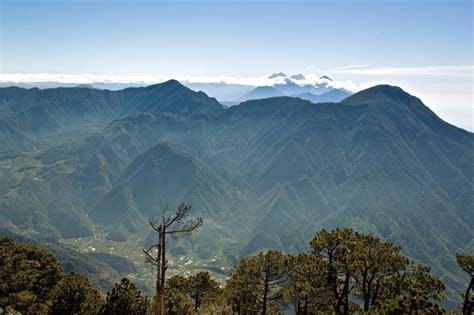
x=424 y=46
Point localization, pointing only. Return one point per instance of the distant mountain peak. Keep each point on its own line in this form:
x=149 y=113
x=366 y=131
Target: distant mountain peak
x=261 y=92
x=325 y=77
x=298 y=77
x=376 y=93
x=167 y=84
x=84 y=86
x=276 y=75
x=171 y=82
x=172 y=96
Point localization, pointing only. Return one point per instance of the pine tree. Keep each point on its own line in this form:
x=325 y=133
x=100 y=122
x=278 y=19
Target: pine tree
x=338 y=248
x=375 y=260
x=466 y=263
x=307 y=288
x=27 y=276
x=200 y=285
x=177 y=298
x=125 y=299
x=240 y=294
x=414 y=289
x=74 y=295
x=168 y=224
x=265 y=275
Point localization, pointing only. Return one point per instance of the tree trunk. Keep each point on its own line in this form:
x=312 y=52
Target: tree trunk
x=369 y=293
x=305 y=310
x=158 y=278
x=332 y=281
x=345 y=295
x=265 y=294
x=467 y=307
x=375 y=293
x=367 y=287
x=298 y=307
x=196 y=301
x=163 y=271
x=365 y=294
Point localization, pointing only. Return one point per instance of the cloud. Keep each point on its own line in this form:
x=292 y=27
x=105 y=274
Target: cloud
x=452 y=99
x=352 y=67
x=87 y=78
x=310 y=67
x=388 y=75
x=463 y=70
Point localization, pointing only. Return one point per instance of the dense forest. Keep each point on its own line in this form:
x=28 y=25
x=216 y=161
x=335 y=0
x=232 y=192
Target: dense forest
x=342 y=272
x=83 y=169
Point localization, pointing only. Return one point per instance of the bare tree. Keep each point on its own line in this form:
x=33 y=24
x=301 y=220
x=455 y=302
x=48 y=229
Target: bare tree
x=169 y=223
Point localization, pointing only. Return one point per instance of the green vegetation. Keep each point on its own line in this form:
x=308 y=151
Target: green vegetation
x=86 y=168
x=32 y=281
x=466 y=263
x=73 y=294
x=27 y=276
x=124 y=299
x=344 y=272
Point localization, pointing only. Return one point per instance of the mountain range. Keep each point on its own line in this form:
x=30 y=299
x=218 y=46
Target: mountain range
x=229 y=94
x=279 y=84
x=268 y=173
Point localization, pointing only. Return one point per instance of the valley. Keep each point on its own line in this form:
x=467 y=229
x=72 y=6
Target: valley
x=87 y=168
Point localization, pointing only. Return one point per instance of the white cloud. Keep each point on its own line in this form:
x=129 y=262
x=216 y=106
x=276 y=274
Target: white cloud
x=310 y=67
x=445 y=89
x=87 y=78
x=463 y=70
x=84 y=78
x=352 y=67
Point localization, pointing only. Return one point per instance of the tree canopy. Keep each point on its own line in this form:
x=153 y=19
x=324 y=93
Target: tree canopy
x=342 y=272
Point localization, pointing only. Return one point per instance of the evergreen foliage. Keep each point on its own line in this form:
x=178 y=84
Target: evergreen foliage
x=344 y=272
x=125 y=299
x=263 y=276
x=74 y=295
x=201 y=288
x=27 y=276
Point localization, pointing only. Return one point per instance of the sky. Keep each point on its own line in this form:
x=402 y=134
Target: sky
x=426 y=47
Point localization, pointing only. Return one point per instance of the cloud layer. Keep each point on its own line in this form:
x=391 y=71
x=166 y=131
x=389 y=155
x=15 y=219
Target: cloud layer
x=86 y=78
x=446 y=89
x=463 y=70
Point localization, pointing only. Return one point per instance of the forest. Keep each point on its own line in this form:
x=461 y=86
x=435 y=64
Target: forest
x=82 y=169
x=342 y=272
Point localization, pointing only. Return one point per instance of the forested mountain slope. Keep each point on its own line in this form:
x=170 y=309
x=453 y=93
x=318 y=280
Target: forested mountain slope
x=264 y=174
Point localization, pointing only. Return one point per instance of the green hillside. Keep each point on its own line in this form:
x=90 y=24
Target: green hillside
x=265 y=174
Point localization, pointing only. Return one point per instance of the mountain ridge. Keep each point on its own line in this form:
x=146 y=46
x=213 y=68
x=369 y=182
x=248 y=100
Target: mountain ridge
x=264 y=173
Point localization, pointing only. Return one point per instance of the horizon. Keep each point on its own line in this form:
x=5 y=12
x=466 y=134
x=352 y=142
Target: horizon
x=454 y=115
x=358 y=44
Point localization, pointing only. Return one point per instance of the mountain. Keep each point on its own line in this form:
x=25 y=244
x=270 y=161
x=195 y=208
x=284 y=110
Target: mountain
x=297 y=77
x=277 y=75
x=261 y=92
x=324 y=77
x=13 y=138
x=159 y=177
x=334 y=96
x=80 y=164
x=287 y=85
x=293 y=86
x=222 y=91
